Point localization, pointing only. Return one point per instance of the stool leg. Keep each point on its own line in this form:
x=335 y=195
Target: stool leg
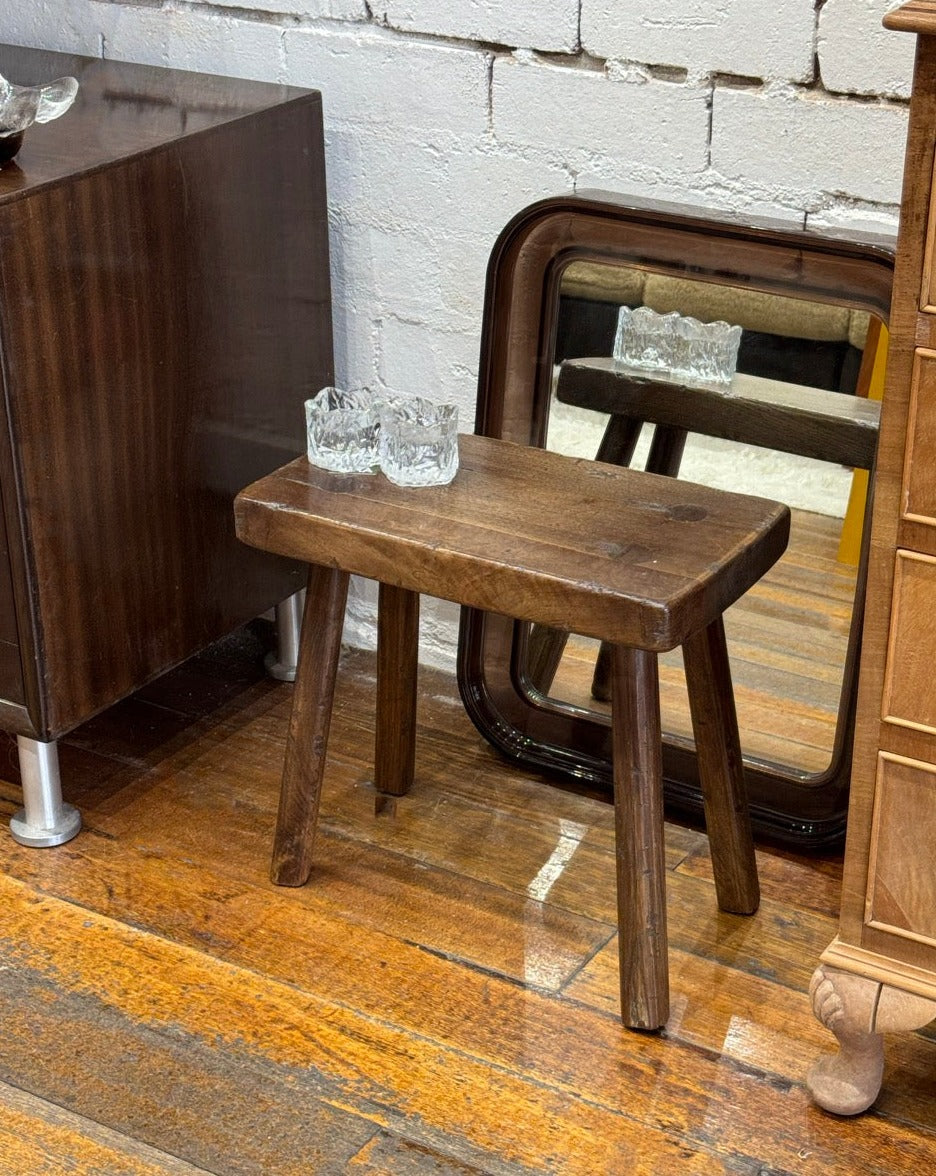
x=721 y=770
x=307 y=738
x=397 y=658
x=638 y=809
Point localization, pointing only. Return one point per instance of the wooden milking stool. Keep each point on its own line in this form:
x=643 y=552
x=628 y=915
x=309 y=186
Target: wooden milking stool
x=643 y=562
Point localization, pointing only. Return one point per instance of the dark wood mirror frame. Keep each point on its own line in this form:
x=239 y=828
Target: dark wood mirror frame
x=514 y=387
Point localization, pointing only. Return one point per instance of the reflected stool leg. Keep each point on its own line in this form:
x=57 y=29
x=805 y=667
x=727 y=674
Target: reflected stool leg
x=397 y=660
x=639 y=844
x=619 y=440
x=666 y=450
x=44 y=820
x=288 y=618
x=307 y=737
x=721 y=769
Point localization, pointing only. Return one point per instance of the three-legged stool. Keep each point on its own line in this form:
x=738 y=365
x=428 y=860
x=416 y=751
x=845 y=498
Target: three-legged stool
x=641 y=561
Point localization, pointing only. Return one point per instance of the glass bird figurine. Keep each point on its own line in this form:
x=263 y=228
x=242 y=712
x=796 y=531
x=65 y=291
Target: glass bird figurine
x=21 y=106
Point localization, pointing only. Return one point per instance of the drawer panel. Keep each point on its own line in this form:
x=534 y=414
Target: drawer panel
x=901 y=895
x=909 y=697
x=919 y=482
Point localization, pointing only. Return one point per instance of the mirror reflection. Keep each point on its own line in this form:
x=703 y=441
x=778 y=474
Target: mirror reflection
x=797 y=423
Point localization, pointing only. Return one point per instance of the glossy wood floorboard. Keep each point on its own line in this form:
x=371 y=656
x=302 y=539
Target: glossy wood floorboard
x=441 y=998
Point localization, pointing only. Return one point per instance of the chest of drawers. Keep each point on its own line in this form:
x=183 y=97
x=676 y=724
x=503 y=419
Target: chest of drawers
x=879 y=974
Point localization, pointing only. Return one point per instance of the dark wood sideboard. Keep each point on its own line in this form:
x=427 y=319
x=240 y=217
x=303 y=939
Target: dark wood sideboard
x=164 y=311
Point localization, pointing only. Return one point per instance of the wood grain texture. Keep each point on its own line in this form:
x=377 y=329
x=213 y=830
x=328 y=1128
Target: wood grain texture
x=166 y=279
x=919 y=488
x=785 y=417
x=911 y=648
x=397 y=666
x=901 y=894
x=527 y=267
x=715 y=729
x=39 y=1136
x=476 y=543
x=906 y=323
x=440 y=1001
x=905 y=392
x=638 y=822
x=787 y=638
x=669 y=557
x=309 y=723
x=887 y=935
x=916 y=16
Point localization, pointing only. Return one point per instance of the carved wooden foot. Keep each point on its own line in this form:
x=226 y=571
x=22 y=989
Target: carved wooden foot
x=858 y=1011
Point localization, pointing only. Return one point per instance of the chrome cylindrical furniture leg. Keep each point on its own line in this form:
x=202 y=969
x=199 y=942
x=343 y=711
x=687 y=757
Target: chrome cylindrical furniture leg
x=44 y=820
x=282 y=664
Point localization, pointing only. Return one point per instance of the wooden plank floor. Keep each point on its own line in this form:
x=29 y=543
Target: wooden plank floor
x=441 y=998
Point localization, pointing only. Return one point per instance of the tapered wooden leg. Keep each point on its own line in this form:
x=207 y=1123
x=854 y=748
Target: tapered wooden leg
x=721 y=769
x=307 y=738
x=638 y=808
x=859 y=1011
x=397 y=658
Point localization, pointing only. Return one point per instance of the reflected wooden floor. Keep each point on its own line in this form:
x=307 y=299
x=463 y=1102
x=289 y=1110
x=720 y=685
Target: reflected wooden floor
x=441 y=998
x=787 y=638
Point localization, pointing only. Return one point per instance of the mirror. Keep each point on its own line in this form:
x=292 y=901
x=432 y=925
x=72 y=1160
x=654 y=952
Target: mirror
x=791 y=427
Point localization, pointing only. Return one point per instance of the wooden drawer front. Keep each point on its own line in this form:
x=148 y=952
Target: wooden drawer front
x=901 y=896
x=910 y=678
x=919 y=485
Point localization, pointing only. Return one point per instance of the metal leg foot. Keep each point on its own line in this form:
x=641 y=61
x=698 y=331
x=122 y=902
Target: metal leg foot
x=44 y=819
x=282 y=664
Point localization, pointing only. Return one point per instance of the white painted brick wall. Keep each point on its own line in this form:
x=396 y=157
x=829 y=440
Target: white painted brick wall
x=310 y=9
x=808 y=147
x=549 y=25
x=857 y=55
x=212 y=41
x=570 y=113
x=774 y=39
x=369 y=77
x=445 y=117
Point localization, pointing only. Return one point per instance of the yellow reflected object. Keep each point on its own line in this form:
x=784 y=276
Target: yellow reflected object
x=872 y=386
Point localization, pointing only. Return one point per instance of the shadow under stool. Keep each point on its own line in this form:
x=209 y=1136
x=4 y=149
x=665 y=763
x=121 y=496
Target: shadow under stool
x=643 y=562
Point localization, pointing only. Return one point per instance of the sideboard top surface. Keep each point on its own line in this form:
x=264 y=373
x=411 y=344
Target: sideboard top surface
x=121 y=109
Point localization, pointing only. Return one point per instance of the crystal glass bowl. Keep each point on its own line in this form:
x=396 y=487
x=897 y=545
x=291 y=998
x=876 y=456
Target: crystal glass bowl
x=681 y=347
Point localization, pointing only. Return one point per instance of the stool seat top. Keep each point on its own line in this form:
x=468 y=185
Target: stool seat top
x=612 y=553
